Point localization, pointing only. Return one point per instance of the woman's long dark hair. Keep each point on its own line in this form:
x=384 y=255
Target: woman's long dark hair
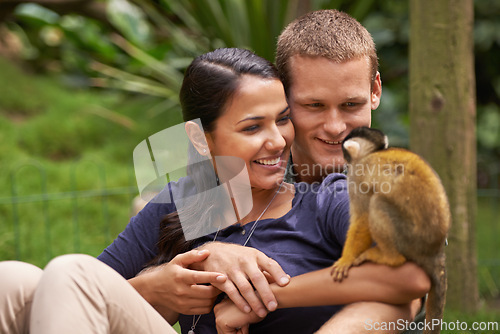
x=209 y=84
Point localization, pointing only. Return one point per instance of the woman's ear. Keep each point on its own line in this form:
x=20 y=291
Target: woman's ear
x=197 y=137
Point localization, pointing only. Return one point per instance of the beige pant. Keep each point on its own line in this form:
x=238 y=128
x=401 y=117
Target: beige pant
x=74 y=294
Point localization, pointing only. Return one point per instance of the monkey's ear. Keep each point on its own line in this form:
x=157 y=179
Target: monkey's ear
x=353 y=148
x=386 y=142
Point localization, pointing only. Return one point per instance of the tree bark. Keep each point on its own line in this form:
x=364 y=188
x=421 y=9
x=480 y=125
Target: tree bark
x=442 y=126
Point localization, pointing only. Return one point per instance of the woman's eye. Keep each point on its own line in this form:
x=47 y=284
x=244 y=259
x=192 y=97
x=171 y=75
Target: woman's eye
x=251 y=128
x=284 y=119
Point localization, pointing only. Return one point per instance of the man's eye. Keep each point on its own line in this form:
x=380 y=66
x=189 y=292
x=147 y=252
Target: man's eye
x=351 y=104
x=314 y=105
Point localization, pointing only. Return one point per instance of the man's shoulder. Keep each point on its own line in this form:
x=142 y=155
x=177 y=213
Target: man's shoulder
x=332 y=182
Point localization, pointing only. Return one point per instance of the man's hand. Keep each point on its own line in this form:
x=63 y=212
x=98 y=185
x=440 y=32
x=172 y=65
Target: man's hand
x=247 y=268
x=172 y=286
x=231 y=320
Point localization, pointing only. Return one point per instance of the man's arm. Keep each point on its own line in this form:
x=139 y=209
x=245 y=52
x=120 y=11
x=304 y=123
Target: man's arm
x=368 y=282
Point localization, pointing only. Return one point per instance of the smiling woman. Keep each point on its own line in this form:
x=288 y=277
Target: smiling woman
x=256 y=127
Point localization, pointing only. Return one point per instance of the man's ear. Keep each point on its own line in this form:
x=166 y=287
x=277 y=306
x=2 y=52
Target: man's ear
x=376 y=92
x=197 y=137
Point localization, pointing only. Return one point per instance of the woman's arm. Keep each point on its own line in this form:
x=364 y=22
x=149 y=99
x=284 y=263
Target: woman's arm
x=141 y=284
x=171 y=288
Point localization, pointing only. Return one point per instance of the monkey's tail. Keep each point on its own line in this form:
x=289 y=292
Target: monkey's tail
x=436 y=297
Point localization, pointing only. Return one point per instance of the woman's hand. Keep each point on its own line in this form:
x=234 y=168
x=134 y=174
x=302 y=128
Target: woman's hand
x=230 y=319
x=246 y=268
x=172 y=286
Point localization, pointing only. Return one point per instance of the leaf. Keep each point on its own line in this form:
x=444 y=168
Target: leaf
x=163 y=71
x=111 y=115
x=130 y=20
x=488 y=127
x=36 y=14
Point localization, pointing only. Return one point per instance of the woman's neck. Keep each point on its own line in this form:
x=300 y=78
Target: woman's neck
x=274 y=201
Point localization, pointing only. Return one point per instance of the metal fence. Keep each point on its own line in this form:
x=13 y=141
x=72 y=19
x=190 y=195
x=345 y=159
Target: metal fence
x=18 y=234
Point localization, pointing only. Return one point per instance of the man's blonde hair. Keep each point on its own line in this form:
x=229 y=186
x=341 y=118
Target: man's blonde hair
x=324 y=33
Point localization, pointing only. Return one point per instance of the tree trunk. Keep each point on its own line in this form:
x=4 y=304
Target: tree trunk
x=442 y=126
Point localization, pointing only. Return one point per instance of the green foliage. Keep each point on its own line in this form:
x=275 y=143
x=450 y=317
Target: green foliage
x=20 y=108
x=153 y=41
x=487 y=53
x=488 y=126
x=66 y=143
x=131 y=21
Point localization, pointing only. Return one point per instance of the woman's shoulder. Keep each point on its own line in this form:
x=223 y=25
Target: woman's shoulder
x=181 y=188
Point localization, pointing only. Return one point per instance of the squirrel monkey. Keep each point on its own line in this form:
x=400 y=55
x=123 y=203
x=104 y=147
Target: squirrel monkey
x=399 y=212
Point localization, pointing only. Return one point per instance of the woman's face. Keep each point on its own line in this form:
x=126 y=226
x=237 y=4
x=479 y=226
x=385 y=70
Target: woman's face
x=256 y=127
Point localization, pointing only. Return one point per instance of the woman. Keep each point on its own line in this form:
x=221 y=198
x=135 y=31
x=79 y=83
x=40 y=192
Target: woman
x=243 y=111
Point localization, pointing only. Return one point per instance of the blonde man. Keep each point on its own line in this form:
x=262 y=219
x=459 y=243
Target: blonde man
x=329 y=67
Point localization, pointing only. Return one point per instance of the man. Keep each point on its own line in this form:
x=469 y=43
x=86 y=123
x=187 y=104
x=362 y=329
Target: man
x=329 y=67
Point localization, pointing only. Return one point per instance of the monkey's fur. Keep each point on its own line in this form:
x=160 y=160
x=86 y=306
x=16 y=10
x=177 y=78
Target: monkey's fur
x=399 y=212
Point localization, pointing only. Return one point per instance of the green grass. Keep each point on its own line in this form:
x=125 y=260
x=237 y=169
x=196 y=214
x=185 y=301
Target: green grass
x=56 y=140
x=465 y=323
x=488 y=253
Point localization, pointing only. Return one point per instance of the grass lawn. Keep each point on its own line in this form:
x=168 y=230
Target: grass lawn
x=76 y=145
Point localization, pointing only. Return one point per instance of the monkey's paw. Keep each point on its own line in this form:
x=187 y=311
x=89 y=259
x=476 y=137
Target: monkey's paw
x=360 y=259
x=340 y=269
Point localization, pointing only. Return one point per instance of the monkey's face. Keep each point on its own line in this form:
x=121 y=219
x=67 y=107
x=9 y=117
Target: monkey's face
x=363 y=141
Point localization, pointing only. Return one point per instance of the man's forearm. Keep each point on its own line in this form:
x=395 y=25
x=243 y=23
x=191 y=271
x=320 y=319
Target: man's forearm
x=368 y=282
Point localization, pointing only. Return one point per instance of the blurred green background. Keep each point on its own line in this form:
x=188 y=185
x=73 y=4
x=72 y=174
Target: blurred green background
x=83 y=82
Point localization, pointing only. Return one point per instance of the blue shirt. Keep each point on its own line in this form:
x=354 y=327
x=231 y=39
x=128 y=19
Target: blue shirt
x=309 y=237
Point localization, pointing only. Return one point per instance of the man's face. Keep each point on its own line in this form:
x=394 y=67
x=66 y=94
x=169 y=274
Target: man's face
x=328 y=100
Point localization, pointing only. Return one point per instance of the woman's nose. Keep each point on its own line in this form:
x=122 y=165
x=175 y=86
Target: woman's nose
x=276 y=141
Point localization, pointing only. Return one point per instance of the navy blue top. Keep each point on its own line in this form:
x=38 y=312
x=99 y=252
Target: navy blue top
x=309 y=237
